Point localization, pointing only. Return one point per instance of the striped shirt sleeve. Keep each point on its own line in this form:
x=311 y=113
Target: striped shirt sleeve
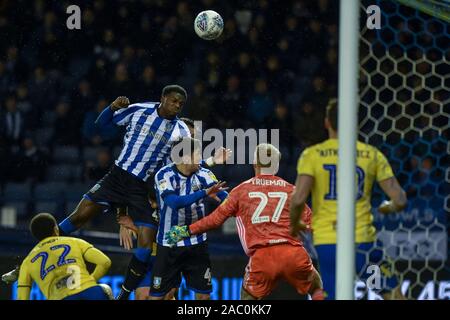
x=163 y=183
x=227 y=209
x=207 y=178
x=123 y=116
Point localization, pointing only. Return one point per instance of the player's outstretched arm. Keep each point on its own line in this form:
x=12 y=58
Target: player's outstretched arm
x=214 y=220
x=102 y=262
x=303 y=186
x=228 y=208
x=396 y=195
x=176 y=202
x=107 y=114
x=211 y=221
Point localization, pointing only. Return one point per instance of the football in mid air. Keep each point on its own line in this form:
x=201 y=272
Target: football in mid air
x=208 y=25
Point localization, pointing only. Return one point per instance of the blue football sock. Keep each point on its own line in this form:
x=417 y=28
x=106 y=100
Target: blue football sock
x=142 y=254
x=67 y=227
x=151 y=262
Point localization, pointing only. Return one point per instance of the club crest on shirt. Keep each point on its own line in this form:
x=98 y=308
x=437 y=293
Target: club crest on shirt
x=195 y=186
x=169 y=126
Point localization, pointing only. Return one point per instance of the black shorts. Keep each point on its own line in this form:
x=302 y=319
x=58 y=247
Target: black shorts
x=192 y=262
x=119 y=188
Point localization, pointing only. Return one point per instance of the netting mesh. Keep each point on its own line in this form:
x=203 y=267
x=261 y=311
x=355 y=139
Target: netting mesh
x=404 y=111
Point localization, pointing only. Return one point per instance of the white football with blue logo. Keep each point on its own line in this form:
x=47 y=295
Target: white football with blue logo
x=208 y=25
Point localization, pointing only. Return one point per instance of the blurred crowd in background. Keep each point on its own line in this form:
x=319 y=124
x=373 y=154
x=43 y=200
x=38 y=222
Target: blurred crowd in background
x=273 y=67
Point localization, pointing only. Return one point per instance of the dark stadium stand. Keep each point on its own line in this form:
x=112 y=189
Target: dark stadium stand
x=58 y=89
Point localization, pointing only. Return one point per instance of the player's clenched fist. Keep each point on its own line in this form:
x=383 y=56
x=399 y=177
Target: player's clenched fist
x=120 y=103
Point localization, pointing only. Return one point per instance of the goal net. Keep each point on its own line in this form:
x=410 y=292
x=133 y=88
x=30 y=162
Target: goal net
x=405 y=112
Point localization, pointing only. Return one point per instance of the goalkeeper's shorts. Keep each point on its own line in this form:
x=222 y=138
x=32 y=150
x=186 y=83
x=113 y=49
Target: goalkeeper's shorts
x=269 y=265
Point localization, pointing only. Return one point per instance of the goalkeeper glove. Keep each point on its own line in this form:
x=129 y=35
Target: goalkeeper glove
x=177 y=233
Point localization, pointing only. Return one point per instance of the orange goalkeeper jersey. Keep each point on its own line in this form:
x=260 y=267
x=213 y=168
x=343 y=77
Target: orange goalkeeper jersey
x=261 y=207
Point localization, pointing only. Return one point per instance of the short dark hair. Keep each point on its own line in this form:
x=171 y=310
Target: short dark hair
x=43 y=226
x=174 y=88
x=332 y=113
x=189 y=122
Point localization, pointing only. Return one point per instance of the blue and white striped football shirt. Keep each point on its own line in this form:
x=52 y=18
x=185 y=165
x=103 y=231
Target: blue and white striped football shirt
x=169 y=180
x=148 y=138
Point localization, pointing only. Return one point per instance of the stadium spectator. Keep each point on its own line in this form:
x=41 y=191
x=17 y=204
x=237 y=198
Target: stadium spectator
x=234 y=113
x=41 y=89
x=12 y=124
x=148 y=85
x=107 y=50
x=307 y=123
x=245 y=69
x=199 y=104
x=98 y=135
x=261 y=104
x=211 y=71
x=121 y=81
x=31 y=162
x=318 y=95
x=83 y=96
x=23 y=102
x=6 y=79
x=6 y=164
x=281 y=120
x=66 y=131
x=94 y=171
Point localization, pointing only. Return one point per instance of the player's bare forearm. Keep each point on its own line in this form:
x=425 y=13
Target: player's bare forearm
x=295 y=212
x=303 y=186
x=212 y=221
x=395 y=193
